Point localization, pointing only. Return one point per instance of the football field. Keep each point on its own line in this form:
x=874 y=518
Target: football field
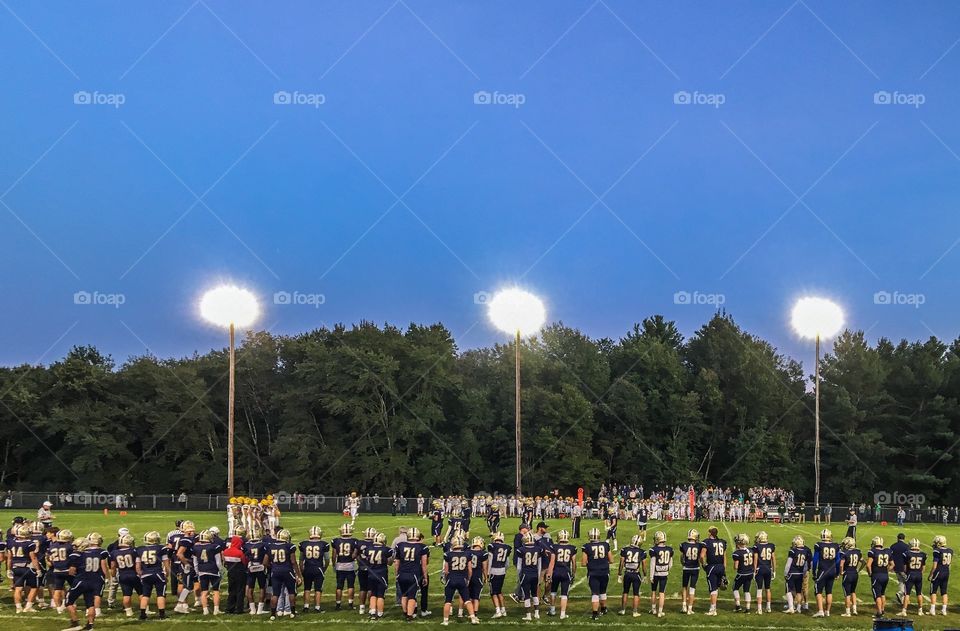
x=140 y=522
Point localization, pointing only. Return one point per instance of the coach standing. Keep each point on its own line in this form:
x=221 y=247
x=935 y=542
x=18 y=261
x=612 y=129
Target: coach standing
x=576 y=515
x=236 y=562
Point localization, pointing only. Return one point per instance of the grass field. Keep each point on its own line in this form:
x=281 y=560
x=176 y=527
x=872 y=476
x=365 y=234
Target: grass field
x=140 y=522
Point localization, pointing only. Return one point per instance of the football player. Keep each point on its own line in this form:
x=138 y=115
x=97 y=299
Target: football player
x=362 y=569
x=457 y=570
x=632 y=569
x=493 y=519
x=345 y=550
x=940 y=573
x=798 y=560
x=825 y=557
x=89 y=571
x=377 y=557
x=255 y=549
x=153 y=567
x=530 y=554
x=661 y=562
x=713 y=559
x=879 y=565
x=766 y=560
x=410 y=567
x=690 y=553
x=611 y=525
x=744 y=567
x=560 y=572
x=851 y=560
x=123 y=569
x=480 y=565
x=188 y=577
x=314 y=560
x=436 y=524
x=499 y=558
x=25 y=566
x=284 y=571
x=597 y=558
x=113 y=581
x=58 y=556
x=207 y=557
x=914 y=562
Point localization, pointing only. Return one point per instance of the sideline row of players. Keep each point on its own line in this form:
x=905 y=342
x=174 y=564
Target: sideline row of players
x=81 y=567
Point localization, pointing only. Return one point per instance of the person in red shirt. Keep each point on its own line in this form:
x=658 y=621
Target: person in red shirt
x=236 y=562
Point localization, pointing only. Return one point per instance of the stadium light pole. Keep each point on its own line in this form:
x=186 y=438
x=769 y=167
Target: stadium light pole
x=519 y=313
x=813 y=318
x=230 y=306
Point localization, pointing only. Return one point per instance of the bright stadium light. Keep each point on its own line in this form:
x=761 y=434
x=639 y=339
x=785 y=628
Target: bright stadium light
x=519 y=313
x=813 y=318
x=515 y=310
x=230 y=306
x=816 y=317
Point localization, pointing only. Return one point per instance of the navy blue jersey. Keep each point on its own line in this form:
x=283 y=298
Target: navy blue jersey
x=362 y=553
x=409 y=554
x=881 y=560
x=744 y=561
x=377 y=557
x=89 y=564
x=344 y=549
x=851 y=560
x=282 y=555
x=690 y=553
x=20 y=550
x=458 y=523
x=563 y=556
x=763 y=552
x=661 y=556
x=530 y=556
x=314 y=554
x=477 y=558
x=205 y=556
x=943 y=557
x=632 y=558
x=151 y=558
x=458 y=563
x=59 y=555
x=597 y=557
x=799 y=560
x=826 y=554
x=255 y=551
x=42 y=544
x=914 y=561
x=499 y=554
x=123 y=560
x=185 y=545
x=716 y=550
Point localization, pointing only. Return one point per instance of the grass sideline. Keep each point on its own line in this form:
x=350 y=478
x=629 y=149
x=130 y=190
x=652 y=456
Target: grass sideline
x=82 y=522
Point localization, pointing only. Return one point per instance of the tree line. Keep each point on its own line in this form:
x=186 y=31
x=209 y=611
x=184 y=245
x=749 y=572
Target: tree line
x=383 y=409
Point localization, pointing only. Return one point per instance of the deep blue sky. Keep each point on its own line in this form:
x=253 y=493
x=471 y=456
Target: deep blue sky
x=302 y=198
